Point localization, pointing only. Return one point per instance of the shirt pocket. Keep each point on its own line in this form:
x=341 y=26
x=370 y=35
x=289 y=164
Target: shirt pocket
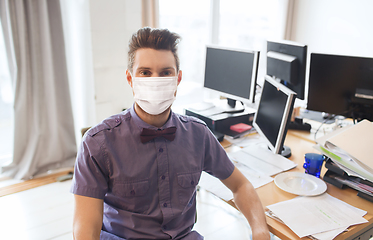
x=133 y=196
x=187 y=183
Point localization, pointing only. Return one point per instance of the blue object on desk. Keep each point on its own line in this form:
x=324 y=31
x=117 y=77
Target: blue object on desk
x=313 y=163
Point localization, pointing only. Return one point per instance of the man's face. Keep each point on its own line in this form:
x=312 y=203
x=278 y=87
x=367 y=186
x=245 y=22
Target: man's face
x=153 y=63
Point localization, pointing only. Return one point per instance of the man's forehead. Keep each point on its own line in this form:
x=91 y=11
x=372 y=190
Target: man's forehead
x=151 y=58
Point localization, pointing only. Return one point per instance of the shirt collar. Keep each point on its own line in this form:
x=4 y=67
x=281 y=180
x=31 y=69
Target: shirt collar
x=171 y=122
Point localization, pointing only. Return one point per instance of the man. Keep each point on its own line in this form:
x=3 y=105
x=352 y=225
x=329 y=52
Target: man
x=136 y=172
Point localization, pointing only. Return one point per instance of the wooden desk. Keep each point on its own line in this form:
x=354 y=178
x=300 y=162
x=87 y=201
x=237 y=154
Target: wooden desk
x=270 y=193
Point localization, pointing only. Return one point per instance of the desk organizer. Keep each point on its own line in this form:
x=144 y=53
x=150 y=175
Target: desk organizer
x=334 y=173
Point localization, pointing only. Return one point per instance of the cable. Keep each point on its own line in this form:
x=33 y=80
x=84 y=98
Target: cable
x=333 y=116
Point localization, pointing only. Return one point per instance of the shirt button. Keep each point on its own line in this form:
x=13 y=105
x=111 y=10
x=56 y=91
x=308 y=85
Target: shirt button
x=161 y=150
x=132 y=192
x=192 y=182
x=163 y=177
x=164 y=204
x=117 y=121
x=164 y=227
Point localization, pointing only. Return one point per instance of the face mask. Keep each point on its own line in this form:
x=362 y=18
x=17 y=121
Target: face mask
x=154 y=94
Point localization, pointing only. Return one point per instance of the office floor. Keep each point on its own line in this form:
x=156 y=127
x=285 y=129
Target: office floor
x=46 y=213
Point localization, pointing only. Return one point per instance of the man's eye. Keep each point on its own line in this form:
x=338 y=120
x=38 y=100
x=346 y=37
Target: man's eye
x=145 y=73
x=167 y=73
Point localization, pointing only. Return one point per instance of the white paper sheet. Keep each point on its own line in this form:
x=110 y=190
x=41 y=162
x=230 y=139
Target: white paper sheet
x=329 y=235
x=214 y=185
x=256 y=179
x=246 y=140
x=261 y=160
x=259 y=166
x=269 y=157
x=311 y=215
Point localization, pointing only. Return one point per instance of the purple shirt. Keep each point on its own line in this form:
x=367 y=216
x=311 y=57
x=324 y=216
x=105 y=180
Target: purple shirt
x=149 y=189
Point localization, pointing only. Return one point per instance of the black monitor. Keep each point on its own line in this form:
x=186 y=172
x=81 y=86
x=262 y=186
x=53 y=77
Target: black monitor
x=232 y=73
x=273 y=115
x=287 y=61
x=341 y=85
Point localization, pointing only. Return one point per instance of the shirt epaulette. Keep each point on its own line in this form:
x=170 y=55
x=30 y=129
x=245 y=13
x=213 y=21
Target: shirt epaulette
x=184 y=118
x=107 y=124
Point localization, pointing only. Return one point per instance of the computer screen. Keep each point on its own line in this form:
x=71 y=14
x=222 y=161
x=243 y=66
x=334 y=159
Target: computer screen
x=341 y=85
x=232 y=72
x=287 y=61
x=273 y=114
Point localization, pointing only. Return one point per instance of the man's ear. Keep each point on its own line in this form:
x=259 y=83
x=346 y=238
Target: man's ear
x=129 y=77
x=179 y=76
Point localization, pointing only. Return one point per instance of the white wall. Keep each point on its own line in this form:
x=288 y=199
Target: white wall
x=341 y=27
x=334 y=26
x=112 y=25
x=77 y=32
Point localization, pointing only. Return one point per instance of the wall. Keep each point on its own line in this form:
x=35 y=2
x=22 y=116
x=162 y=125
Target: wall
x=111 y=27
x=334 y=26
x=341 y=27
x=77 y=32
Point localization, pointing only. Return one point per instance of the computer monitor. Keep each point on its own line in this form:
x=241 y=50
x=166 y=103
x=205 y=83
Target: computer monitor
x=232 y=73
x=341 y=85
x=273 y=115
x=287 y=61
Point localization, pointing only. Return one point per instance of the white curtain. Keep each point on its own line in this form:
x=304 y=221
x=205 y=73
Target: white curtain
x=150 y=13
x=44 y=127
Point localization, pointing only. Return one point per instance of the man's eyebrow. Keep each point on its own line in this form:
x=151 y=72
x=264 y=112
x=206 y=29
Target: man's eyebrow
x=143 y=68
x=148 y=68
x=168 y=68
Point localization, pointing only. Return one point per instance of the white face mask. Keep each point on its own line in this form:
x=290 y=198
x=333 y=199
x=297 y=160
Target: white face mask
x=154 y=94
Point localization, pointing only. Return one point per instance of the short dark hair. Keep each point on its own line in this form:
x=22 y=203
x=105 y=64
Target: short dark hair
x=158 y=39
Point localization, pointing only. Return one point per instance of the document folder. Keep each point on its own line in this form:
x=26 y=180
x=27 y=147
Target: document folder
x=357 y=142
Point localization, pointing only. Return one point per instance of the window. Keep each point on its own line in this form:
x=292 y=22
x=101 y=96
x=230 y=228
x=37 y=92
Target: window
x=248 y=24
x=6 y=107
x=190 y=19
x=242 y=24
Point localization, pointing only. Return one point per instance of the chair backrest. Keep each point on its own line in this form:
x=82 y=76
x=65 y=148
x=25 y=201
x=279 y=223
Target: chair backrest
x=84 y=130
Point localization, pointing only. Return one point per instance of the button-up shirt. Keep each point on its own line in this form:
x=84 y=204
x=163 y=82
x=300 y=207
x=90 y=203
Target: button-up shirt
x=148 y=189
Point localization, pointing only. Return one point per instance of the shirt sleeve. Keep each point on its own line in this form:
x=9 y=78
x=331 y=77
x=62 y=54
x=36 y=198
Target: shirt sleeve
x=217 y=162
x=90 y=173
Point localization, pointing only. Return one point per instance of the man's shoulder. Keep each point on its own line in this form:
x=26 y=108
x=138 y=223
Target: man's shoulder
x=109 y=123
x=189 y=119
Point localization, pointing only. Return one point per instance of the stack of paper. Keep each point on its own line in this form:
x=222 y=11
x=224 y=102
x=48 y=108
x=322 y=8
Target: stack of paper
x=215 y=186
x=257 y=164
x=320 y=217
x=262 y=160
x=351 y=149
